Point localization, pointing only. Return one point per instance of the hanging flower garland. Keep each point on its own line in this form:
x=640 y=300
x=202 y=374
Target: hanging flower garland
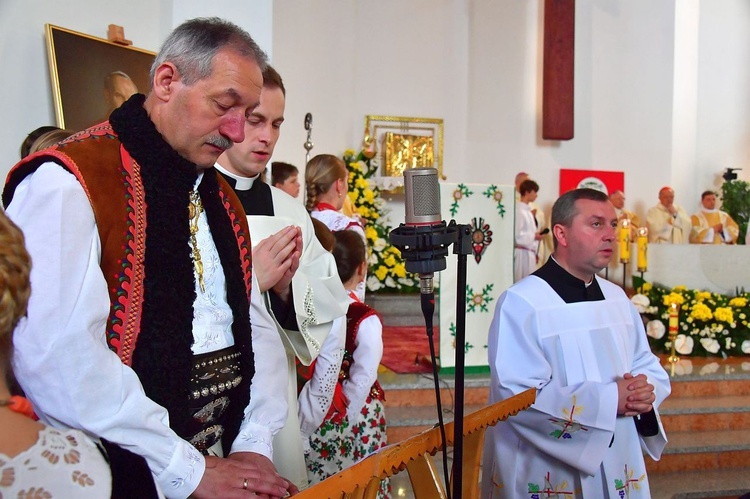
x=386 y=270
x=710 y=323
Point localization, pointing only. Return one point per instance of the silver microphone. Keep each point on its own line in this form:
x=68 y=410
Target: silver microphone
x=422 y=208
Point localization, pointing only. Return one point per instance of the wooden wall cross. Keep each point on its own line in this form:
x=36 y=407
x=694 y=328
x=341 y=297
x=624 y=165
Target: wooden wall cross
x=558 y=69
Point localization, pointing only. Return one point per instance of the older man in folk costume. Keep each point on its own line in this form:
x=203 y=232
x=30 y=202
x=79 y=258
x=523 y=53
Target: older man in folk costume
x=711 y=225
x=307 y=304
x=580 y=343
x=667 y=222
x=139 y=325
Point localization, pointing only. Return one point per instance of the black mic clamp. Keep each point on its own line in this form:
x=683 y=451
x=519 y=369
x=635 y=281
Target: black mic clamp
x=423 y=247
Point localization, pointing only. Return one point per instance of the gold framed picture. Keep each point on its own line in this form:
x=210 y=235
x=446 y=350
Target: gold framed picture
x=92 y=76
x=402 y=143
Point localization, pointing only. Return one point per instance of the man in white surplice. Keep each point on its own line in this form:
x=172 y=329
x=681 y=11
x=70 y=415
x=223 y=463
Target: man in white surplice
x=580 y=343
x=527 y=236
x=307 y=303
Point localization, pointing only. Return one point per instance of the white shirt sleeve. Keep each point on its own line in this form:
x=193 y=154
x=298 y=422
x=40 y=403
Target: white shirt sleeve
x=61 y=355
x=266 y=413
x=368 y=352
x=316 y=396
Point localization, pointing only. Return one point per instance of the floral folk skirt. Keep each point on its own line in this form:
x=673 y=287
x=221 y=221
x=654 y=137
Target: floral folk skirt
x=337 y=445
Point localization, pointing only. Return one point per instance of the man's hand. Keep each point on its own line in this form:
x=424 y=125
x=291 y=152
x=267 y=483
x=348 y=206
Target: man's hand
x=226 y=478
x=718 y=227
x=265 y=465
x=635 y=395
x=276 y=259
x=283 y=288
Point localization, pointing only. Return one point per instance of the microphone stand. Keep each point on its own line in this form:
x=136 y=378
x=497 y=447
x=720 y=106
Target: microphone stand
x=424 y=248
x=462 y=248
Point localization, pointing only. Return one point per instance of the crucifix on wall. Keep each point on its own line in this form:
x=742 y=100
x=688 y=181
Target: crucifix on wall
x=558 y=69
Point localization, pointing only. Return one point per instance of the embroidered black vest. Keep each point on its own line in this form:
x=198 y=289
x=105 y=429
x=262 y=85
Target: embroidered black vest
x=139 y=191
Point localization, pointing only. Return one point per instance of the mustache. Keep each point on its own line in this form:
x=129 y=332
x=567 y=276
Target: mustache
x=220 y=141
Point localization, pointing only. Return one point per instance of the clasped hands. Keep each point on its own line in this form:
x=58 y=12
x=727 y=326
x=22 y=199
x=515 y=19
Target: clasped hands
x=635 y=395
x=276 y=259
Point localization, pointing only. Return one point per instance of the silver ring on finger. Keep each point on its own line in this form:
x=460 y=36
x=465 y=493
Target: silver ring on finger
x=244 y=483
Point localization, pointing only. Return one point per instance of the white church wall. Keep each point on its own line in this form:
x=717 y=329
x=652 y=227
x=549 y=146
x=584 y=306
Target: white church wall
x=342 y=61
x=684 y=102
x=477 y=65
x=622 y=95
x=723 y=103
x=25 y=88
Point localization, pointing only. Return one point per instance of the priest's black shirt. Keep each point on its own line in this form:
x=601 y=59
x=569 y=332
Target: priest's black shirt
x=570 y=288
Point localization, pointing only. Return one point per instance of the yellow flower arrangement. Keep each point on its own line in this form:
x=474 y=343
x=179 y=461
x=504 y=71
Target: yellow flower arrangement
x=738 y=301
x=673 y=297
x=724 y=314
x=709 y=323
x=701 y=312
x=386 y=270
x=381 y=272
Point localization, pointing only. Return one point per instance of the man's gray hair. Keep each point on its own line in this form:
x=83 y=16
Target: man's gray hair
x=192 y=46
x=564 y=209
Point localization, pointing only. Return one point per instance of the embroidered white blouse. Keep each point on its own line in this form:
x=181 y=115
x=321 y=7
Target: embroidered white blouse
x=59 y=464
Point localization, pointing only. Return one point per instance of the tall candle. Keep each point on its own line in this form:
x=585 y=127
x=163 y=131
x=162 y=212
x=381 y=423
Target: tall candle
x=642 y=244
x=674 y=319
x=625 y=241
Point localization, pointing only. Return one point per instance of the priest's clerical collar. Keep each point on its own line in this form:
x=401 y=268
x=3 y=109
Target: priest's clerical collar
x=241 y=183
x=570 y=288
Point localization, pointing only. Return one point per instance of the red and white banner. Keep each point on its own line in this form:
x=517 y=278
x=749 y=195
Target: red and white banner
x=606 y=182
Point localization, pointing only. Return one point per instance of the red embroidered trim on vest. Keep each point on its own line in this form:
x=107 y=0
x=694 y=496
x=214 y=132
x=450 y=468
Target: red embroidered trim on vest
x=127 y=303
x=243 y=243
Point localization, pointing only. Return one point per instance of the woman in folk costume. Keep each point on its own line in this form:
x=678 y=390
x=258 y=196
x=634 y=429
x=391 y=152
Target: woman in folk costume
x=355 y=424
x=36 y=460
x=327 y=185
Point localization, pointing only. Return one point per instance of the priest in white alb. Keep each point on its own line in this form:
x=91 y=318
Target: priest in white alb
x=711 y=225
x=579 y=342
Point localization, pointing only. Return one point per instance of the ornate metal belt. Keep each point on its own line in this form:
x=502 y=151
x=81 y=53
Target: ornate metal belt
x=213 y=382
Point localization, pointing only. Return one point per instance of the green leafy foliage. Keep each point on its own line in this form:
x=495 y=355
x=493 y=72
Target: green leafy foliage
x=735 y=200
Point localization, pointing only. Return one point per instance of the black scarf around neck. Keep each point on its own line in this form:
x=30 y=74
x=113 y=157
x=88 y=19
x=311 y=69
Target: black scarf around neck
x=163 y=356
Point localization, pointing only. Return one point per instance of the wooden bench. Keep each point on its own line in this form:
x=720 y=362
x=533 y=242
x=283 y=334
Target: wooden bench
x=414 y=454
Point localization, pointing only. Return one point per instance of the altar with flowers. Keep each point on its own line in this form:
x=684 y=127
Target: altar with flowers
x=707 y=324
